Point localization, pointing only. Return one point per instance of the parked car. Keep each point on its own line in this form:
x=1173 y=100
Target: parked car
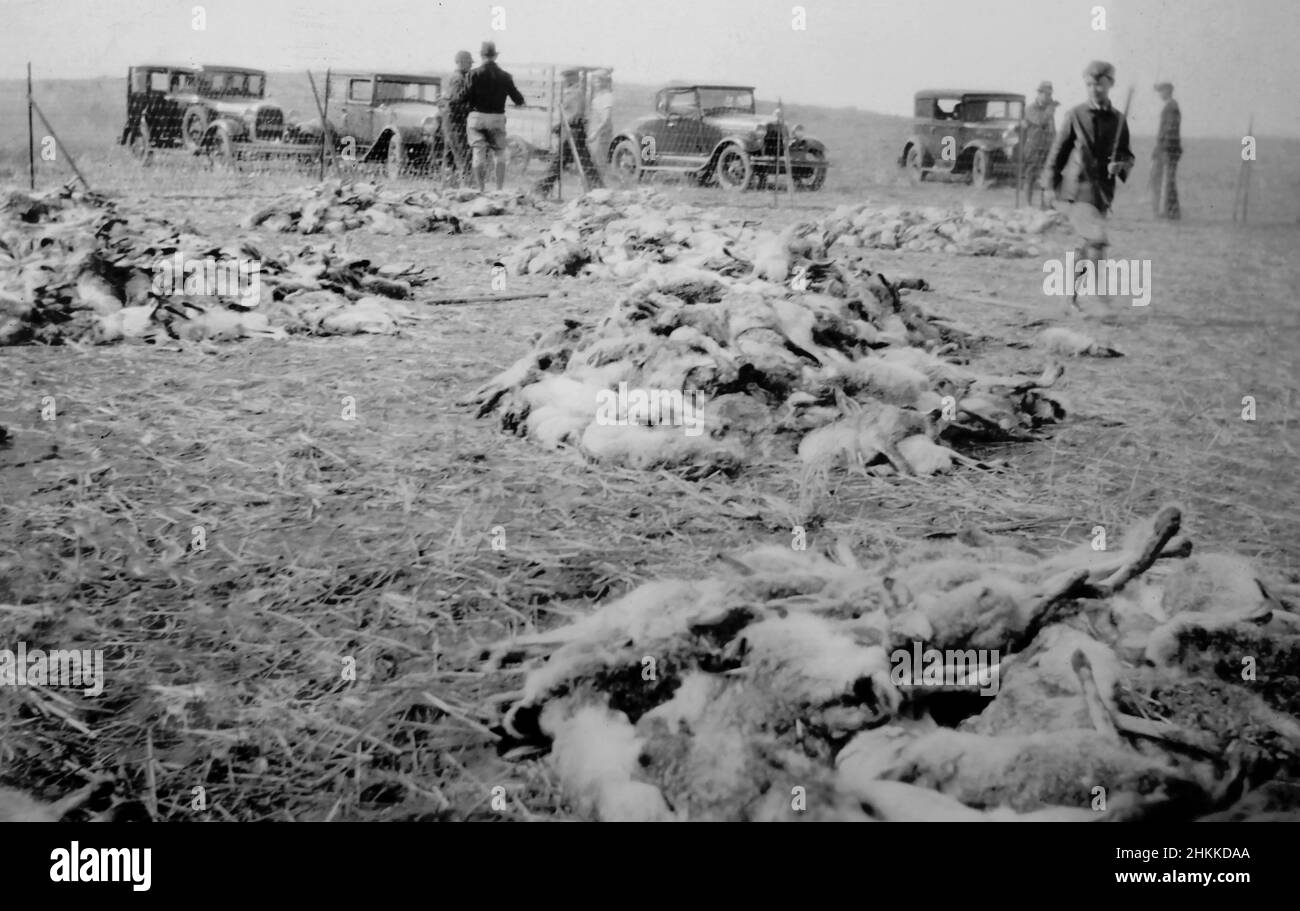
x=714 y=133
x=961 y=133
x=221 y=110
x=392 y=118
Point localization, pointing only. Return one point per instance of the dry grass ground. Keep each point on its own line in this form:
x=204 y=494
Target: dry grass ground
x=332 y=541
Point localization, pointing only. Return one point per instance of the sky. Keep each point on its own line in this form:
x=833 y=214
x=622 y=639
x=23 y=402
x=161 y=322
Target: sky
x=1227 y=58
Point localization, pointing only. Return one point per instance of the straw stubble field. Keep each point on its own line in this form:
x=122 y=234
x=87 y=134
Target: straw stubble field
x=332 y=543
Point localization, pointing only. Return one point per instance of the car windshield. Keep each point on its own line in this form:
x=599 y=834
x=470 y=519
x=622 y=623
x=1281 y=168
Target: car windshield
x=975 y=110
x=717 y=101
x=222 y=84
x=394 y=90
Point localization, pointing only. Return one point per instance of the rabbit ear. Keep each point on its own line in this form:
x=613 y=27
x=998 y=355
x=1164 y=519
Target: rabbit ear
x=845 y=404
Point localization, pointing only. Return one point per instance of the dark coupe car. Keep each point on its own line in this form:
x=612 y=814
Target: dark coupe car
x=971 y=134
x=194 y=106
x=714 y=133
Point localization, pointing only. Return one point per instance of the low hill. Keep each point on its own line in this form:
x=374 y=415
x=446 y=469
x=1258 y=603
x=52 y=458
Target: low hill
x=88 y=115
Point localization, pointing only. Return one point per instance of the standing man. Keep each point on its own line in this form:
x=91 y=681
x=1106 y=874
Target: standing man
x=1164 y=161
x=1040 y=133
x=602 y=114
x=1081 y=169
x=489 y=87
x=457 y=114
x=574 y=111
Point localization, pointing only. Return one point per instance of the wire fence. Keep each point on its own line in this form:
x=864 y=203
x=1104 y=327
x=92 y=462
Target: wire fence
x=216 y=131
x=226 y=131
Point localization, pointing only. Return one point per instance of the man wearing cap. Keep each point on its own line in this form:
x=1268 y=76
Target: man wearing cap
x=574 y=111
x=1040 y=132
x=458 y=111
x=489 y=87
x=1164 y=161
x=1091 y=150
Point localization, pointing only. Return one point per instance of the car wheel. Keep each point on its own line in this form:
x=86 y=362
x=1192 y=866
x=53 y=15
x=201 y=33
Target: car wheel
x=811 y=178
x=625 y=163
x=194 y=126
x=519 y=155
x=141 y=145
x=220 y=146
x=733 y=170
x=396 y=162
x=981 y=171
x=915 y=164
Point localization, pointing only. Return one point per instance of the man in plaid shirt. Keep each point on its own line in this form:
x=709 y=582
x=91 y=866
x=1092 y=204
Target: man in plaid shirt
x=1164 y=162
x=457 y=114
x=1040 y=133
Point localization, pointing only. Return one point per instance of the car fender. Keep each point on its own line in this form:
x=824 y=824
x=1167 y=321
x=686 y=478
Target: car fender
x=633 y=136
x=309 y=130
x=746 y=141
x=722 y=144
x=914 y=140
x=238 y=128
x=811 y=144
x=311 y=126
x=967 y=154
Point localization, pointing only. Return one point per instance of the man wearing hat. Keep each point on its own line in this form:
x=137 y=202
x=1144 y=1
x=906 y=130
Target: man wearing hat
x=457 y=114
x=489 y=87
x=1091 y=150
x=1164 y=161
x=1040 y=132
x=574 y=111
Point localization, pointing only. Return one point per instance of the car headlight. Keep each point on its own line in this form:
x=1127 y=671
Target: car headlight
x=1010 y=136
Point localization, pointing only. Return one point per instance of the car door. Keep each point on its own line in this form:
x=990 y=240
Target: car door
x=165 y=107
x=709 y=133
x=945 y=134
x=682 y=126
x=358 y=119
x=923 y=124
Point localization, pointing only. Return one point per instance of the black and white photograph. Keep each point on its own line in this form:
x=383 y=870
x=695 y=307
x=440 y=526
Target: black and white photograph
x=689 y=411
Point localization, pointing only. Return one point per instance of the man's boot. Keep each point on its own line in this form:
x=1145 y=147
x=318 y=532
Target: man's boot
x=1080 y=259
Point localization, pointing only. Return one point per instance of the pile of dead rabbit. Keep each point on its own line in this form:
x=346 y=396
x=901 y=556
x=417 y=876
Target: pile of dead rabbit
x=970 y=230
x=699 y=370
x=79 y=267
x=336 y=206
x=960 y=679
x=621 y=235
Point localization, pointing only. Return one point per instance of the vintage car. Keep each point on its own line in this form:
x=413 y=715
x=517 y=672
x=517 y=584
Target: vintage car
x=971 y=134
x=714 y=133
x=202 y=109
x=369 y=111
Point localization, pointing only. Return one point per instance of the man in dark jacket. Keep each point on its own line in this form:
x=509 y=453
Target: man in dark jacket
x=489 y=87
x=1164 y=161
x=1091 y=150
